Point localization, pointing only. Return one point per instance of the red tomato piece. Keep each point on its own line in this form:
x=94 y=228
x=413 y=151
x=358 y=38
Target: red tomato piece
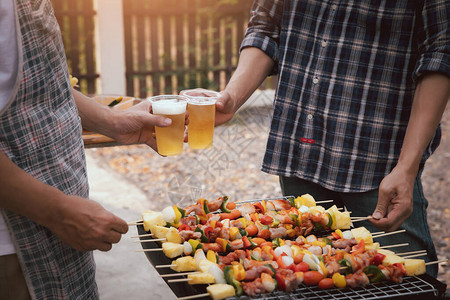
x=312 y=277
x=302 y=267
x=326 y=283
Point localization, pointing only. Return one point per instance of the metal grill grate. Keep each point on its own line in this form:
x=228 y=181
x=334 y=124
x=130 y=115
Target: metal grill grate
x=411 y=286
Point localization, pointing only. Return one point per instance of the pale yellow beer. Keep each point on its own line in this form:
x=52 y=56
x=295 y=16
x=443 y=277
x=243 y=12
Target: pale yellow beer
x=169 y=140
x=202 y=110
x=201 y=122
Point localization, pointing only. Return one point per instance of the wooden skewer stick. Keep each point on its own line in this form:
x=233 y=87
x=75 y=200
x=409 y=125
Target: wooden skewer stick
x=138 y=222
x=412 y=252
x=388 y=233
x=436 y=262
x=179 y=274
x=267 y=199
x=151 y=240
x=142 y=235
x=194 y=296
x=361 y=219
x=414 y=255
x=165 y=266
x=393 y=246
x=149 y=250
x=179 y=280
x=324 y=201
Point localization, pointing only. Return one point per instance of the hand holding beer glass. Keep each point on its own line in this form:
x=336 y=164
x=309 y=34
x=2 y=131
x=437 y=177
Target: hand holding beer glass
x=170 y=140
x=202 y=110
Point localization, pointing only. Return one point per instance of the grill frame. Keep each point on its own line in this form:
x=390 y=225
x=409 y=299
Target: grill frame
x=415 y=287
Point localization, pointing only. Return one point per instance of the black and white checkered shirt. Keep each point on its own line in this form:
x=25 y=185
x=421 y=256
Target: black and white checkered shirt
x=347 y=74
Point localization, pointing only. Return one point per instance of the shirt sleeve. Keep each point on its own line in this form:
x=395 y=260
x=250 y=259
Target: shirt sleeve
x=263 y=29
x=433 y=39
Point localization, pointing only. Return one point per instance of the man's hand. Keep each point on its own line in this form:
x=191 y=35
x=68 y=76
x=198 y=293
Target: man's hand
x=136 y=125
x=85 y=225
x=395 y=200
x=225 y=108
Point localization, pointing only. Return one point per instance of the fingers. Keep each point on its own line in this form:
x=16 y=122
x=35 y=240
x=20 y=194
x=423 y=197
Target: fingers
x=119 y=225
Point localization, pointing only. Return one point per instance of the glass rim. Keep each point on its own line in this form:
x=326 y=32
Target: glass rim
x=201 y=100
x=214 y=93
x=176 y=98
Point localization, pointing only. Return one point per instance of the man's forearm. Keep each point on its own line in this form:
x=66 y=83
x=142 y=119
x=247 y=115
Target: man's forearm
x=94 y=116
x=25 y=195
x=253 y=67
x=430 y=100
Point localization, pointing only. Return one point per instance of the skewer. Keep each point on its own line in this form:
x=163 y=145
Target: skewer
x=138 y=222
x=179 y=280
x=151 y=240
x=436 y=262
x=165 y=266
x=149 y=250
x=361 y=219
x=414 y=255
x=142 y=235
x=194 y=296
x=393 y=246
x=412 y=252
x=388 y=233
x=178 y=274
x=267 y=199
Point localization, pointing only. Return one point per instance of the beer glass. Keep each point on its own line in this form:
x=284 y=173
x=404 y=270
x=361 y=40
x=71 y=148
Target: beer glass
x=169 y=140
x=202 y=109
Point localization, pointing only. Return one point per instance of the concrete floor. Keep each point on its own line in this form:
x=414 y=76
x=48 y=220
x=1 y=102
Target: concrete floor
x=123 y=273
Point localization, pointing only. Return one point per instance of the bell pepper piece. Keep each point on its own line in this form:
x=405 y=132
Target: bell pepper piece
x=374 y=273
x=224 y=207
x=204 y=238
x=229 y=277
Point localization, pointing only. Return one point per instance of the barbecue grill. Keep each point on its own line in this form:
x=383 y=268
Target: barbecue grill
x=416 y=287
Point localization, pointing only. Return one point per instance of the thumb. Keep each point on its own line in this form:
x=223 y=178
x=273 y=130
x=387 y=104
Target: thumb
x=382 y=206
x=225 y=103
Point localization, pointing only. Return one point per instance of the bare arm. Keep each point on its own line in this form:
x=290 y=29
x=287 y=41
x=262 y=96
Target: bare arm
x=81 y=223
x=253 y=67
x=396 y=189
x=131 y=126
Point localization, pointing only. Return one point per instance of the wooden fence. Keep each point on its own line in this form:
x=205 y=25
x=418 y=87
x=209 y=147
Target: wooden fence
x=170 y=45
x=77 y=19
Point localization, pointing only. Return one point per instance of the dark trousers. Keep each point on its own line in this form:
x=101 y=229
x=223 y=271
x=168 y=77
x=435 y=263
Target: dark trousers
x=12 y=281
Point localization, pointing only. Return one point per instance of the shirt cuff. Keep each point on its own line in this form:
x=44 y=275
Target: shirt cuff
x=432 y=62
x=265 y=44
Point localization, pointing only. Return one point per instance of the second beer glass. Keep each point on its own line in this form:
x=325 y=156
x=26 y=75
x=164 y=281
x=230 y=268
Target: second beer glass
x=169 y=140
x=202 y=110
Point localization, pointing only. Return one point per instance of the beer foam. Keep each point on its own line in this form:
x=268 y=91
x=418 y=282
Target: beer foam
x=169 y=107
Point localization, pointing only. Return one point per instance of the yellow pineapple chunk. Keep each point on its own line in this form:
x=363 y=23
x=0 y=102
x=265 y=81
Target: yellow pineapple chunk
x=374 y=246
x=308 y=200
x=152 y=218
x=391 y=259
x=343 y=220
x=361 y=233
x=172 y=250
x=204 y=264
x=414 y=266
x=201 y=278
x=159 y=232
x=184 y=264
x=220 y=291
x=173 y=236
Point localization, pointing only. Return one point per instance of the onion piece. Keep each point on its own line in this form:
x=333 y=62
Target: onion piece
x=187 y=248
x=215 y=271
x=168 y=214
x=283 y=249
x=287 y=261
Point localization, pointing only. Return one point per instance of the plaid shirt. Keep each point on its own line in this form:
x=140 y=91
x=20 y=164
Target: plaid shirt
x=347 y=74
x=40 y=132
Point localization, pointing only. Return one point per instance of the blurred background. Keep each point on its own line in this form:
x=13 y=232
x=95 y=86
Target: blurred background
x=142 y=48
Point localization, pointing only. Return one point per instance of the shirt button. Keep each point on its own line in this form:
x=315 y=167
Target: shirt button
x=324 y=43
x=334 y=7
x=315 y=80
x=309 y=116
